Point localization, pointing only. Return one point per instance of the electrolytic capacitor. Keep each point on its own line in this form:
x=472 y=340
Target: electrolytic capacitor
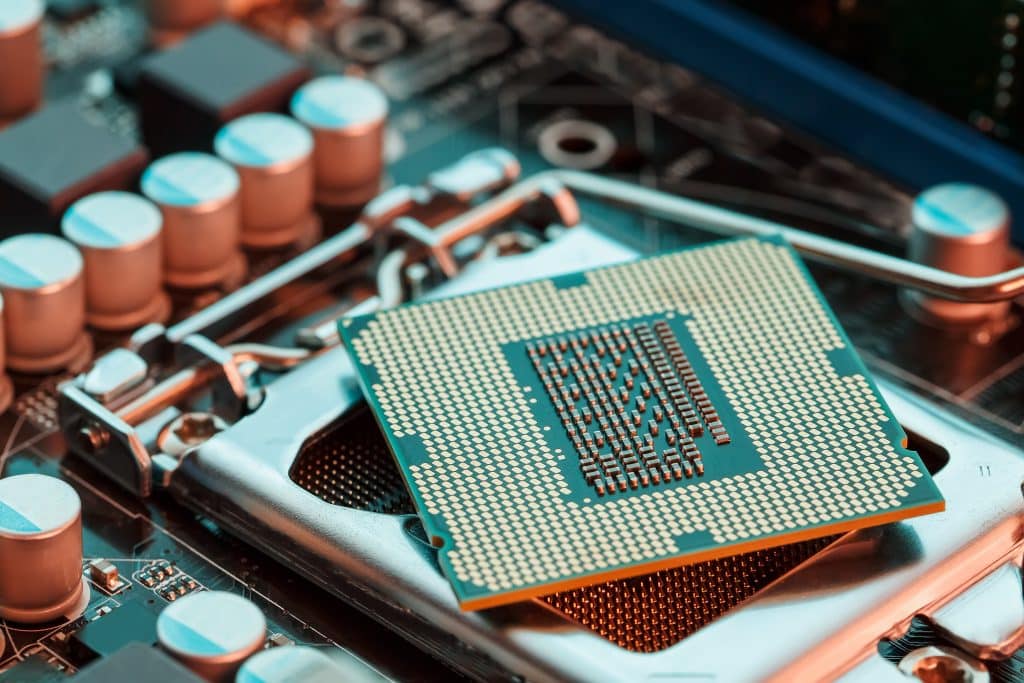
x=290 y=663
x=963 y=229
x=44 y=303
x=21 y=58
x=6 y=386
x=198 y=196
x=40 y=549
x=347 y=116
x=119 y=235
x=273 y=155
x=211 y=632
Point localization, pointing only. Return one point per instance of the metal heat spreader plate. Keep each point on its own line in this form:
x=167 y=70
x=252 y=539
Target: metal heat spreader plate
x=614 y=422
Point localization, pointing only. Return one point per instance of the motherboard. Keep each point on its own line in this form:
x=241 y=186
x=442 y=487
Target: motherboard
x=275 y=270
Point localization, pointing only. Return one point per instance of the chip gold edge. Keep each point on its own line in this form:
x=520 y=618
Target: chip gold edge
x=536 y=592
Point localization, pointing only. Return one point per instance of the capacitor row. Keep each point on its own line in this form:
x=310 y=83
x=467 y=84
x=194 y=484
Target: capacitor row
x=219 y=636
x=186 y=229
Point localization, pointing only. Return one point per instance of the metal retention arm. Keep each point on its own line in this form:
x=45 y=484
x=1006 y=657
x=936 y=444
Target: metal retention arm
x=658 y=204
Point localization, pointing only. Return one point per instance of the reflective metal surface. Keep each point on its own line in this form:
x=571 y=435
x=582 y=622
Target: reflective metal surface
x=1006 y=285
x=822 y=621
x=234 y=463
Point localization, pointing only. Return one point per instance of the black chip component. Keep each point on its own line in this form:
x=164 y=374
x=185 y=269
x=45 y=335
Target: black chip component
x=220 y=73
x=56 y=156
x=102 y=637
x=70 y=10
x=137 y=662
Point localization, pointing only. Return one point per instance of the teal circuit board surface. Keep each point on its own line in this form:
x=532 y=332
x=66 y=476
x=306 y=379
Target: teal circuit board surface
x=609 y=423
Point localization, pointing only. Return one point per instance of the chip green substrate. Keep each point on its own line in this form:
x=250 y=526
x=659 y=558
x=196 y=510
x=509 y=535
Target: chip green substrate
x=594 y=426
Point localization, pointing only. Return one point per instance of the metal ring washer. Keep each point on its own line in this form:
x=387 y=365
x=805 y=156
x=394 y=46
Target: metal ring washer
x=552 y=140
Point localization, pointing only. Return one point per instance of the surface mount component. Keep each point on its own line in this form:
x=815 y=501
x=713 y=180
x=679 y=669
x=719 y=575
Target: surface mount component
x=21 y=58
x=347 y=117
x=189 y=91
x=131 y=622
x=212 y=632
x=40 y=549
x=44 y=299
x=198 y=196
x=963 y=229
x=137 y=660
x=119 y=233
x=273 y=155
x=105 y=574
x=614 y=422
x=55 y=156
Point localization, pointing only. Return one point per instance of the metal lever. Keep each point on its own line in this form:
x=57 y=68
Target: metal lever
x=655 y=203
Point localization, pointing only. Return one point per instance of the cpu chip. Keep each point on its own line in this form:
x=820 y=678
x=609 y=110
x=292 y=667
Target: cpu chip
x=614 y=422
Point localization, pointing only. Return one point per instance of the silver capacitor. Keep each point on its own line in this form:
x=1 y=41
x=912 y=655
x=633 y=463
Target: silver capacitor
x=273 y=155
x=44 y=303
x=290 y=663
x=347 y=117
x=212 y=632
x=40 y=549
x=198 y=196
x=119 y=236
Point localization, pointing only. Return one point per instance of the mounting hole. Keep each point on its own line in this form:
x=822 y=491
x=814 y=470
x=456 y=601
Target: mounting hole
x=577 y=144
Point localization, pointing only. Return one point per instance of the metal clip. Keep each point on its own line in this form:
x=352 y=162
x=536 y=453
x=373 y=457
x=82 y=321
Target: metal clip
x=114 y=376
x=229 y=387
x=482 y=171
x=105 y=439
x=551 y=196
x=99 y=410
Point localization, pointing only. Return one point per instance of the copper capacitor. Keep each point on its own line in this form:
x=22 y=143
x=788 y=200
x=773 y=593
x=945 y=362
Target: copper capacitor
x=21 y=58
x=119 y=232
x=6 y=386
x=273 y=155
x=44 y=303
x=40 y=549
x=212 y=632
x=198 y=197
x=347 y=116
x=964 y=229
